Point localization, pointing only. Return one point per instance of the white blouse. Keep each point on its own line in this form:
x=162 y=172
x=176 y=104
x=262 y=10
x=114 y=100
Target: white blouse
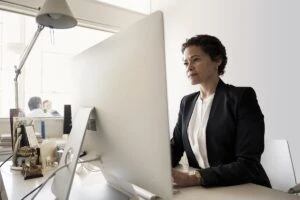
x=197 y=129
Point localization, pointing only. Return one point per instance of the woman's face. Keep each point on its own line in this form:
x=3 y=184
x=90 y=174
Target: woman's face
x=200 y=68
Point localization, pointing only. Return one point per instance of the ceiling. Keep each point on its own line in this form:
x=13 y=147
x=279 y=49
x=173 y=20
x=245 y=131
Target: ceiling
x=141 y=6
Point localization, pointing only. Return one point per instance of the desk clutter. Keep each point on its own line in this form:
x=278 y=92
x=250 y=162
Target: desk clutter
x=31 y=167
x=5 y=144
x=32 y=153
x=6 y=140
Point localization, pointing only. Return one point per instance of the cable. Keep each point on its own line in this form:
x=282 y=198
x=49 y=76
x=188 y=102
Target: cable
x=90 y=169
x=44 y=183
x=31 y=192
x=6 y=160
x=40 y=187
x=87 y=167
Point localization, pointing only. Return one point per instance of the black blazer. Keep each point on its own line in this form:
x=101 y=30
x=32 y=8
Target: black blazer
x=234 y=137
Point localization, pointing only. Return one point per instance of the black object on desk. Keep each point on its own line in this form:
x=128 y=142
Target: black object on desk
x=67 y=119
x=24 y=140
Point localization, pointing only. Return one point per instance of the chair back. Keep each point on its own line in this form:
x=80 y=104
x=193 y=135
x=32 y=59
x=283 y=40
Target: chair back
x=277 y=162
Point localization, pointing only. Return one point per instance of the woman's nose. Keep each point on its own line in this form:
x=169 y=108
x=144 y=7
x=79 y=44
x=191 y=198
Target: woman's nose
x=190 y=67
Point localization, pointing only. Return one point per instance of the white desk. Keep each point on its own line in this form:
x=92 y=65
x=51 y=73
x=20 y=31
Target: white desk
x=85 y=186
x=240 y=192
x=91 y=186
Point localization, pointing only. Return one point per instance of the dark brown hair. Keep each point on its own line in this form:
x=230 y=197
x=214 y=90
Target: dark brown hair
x=211 y=46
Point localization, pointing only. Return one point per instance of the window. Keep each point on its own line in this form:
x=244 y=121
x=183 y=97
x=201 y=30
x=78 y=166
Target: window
x=47 y=71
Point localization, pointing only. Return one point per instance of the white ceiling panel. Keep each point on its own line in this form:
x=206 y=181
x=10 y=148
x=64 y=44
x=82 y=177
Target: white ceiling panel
x=141 y=6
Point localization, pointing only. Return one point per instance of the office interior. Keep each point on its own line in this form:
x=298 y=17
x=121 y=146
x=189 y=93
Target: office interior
x=261 y=39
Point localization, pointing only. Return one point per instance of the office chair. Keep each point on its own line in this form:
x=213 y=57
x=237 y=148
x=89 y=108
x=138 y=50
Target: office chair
x=277 y=162
x=295 y=189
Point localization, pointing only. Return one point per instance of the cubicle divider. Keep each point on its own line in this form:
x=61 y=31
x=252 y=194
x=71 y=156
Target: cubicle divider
x=53 y=128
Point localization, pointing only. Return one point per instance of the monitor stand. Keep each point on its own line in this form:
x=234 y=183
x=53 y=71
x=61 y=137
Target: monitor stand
x=62 y=183
x=63 y=179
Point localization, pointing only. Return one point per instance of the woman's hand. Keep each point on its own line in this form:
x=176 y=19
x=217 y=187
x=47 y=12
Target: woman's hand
x=182 y=179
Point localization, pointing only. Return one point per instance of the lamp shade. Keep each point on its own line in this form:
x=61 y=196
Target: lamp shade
x=56 y=14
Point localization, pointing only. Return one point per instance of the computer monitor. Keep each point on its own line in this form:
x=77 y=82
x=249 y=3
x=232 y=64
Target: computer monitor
x=53 y=126
x=124 y=78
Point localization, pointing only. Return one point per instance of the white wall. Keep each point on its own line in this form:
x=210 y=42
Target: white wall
x=159 y=4
x=262 y=40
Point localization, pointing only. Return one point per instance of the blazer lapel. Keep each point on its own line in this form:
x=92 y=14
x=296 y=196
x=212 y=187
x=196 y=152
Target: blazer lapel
x=188 y=114
x=213 y=115
x=217 y=100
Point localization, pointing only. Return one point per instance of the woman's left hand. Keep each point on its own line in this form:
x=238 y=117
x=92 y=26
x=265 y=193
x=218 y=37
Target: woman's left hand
x=182 y=179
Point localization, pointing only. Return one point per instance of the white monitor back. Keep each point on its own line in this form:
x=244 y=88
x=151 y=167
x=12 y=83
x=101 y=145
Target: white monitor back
x=124 y=78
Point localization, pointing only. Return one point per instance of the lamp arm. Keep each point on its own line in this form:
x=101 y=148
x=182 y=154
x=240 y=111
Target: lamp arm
x=24 y=58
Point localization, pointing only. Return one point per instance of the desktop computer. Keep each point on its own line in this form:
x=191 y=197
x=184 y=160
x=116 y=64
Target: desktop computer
x=124 y=79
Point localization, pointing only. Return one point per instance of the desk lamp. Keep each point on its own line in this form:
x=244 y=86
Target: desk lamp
x=54 y=14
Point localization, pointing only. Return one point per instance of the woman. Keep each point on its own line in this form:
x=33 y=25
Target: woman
x=221 y=127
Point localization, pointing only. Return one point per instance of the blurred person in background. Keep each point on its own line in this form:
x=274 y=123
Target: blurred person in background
x=35 y=107
x=47 y=106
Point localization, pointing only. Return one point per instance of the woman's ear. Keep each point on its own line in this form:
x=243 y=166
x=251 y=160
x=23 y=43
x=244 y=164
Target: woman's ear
x=218 y=61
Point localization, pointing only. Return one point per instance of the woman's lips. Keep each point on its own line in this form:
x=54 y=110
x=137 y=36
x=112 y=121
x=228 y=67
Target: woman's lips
x=191 y=74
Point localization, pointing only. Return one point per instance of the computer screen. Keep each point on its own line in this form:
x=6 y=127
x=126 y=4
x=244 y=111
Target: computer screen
x=124 y=78
x=53 y=126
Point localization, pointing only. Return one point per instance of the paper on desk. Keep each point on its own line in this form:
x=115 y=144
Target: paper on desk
x=31 y=136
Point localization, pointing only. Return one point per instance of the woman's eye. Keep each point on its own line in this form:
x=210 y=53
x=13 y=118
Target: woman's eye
x=195 y=59
x=185 y=63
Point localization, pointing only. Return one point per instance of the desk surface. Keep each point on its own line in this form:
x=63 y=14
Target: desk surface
x=91 y=186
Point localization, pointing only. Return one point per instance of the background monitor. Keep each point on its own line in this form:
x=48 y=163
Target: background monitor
x=124 y=78
x=53 y=126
